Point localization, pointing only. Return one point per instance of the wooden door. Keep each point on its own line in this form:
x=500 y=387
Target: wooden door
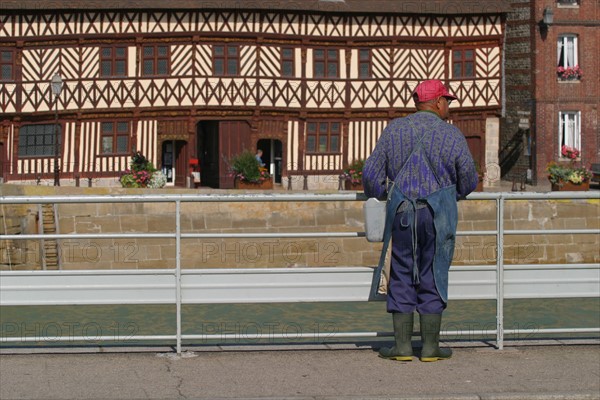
x=2 y=161
x=234 y=137
x=181 y=163
x=474 y=131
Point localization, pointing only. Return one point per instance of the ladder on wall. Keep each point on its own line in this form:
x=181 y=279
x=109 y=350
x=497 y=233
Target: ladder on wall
x=49 y=248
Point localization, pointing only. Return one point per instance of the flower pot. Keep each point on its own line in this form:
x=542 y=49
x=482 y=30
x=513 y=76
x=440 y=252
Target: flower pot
x=348 y=185
x=571 y=187
x=262 y=185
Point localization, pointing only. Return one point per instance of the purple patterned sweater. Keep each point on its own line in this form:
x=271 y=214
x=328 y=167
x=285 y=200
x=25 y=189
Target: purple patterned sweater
x=445 y=147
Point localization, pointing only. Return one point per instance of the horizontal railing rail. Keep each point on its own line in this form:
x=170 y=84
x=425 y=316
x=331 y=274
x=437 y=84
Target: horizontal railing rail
x=270 y=285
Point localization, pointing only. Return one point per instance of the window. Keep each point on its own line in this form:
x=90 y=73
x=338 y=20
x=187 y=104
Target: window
x=155 y=60
x=567 y=51
x=115 y=138
x=567 y=67
x=364 y=63
x=38 y=140
x=326 y=63
x=113 y=61
x=226 y=60
x=568 y=2
x=287 y=61
x=569 y=131
x=463 y=63
x=323 y=137
x=7 y=65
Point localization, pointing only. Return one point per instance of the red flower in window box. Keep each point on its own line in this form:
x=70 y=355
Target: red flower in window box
x=569 y=73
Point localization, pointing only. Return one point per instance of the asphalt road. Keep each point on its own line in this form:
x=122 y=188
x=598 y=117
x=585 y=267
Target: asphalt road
x=550 y=371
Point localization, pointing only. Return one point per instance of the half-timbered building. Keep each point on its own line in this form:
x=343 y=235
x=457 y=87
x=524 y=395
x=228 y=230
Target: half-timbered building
x=311 y=83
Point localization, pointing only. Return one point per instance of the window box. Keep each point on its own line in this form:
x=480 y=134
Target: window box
x=569 y=73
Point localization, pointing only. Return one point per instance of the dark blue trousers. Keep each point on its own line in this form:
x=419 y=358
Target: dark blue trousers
x=404 y=295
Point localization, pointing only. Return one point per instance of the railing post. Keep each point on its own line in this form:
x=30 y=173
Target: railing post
x=178 y=271
x=500 y=273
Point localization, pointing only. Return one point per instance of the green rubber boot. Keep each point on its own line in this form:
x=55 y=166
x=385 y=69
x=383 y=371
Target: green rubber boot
x=403 y=329
x=430 y=335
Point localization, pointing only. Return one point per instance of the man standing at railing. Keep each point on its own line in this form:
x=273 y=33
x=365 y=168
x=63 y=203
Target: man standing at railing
x=431 y=167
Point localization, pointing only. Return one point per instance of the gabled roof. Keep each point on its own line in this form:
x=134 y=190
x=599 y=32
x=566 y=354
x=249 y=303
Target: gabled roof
x=436 y=7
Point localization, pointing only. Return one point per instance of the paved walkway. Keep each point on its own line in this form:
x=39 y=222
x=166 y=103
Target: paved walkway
x=476 y=371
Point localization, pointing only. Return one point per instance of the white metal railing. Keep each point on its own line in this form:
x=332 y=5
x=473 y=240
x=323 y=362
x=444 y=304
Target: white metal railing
x=235 y=285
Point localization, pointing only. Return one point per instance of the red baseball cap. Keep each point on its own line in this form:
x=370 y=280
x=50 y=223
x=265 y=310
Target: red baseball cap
x=432 y=89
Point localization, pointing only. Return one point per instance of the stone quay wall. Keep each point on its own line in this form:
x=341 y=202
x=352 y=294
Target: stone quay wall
x=272 y=217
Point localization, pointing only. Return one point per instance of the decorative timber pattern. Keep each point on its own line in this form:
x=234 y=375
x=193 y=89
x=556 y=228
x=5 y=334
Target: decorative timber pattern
x=270 y=64
x=8 y=97
x=84 y=156
x=147 y=139
x=113 y=23
x=362 y=137
x=293 y=143
x=185 y=60
x=269 y=92
x=191 y=82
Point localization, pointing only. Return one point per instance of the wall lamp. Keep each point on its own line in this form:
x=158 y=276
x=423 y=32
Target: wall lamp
x=548 y=16
x=547 y=20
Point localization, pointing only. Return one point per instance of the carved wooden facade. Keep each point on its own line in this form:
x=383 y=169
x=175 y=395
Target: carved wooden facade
x=346 y=72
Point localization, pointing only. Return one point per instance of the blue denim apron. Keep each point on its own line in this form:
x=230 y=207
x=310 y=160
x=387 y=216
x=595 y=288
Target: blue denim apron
x=445 y=218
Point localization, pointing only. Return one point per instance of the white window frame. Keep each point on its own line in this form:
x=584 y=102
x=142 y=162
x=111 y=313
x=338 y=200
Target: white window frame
x=568 y=3
x=568 y=42
x=569 y=130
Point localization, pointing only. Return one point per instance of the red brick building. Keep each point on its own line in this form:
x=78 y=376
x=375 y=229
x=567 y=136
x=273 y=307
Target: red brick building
x=546 y=107
x=566 y=103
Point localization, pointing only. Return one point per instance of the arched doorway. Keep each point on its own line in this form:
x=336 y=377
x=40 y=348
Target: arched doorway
x=272 y=156
x=174 y=162
x=208 y=151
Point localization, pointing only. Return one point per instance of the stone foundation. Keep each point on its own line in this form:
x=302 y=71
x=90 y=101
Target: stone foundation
x=275 y=217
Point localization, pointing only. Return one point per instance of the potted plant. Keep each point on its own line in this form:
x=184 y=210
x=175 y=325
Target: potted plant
x=353 y=175
x=248 y=174
x=569 y=73
x=141 y=174
x=564 y=176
